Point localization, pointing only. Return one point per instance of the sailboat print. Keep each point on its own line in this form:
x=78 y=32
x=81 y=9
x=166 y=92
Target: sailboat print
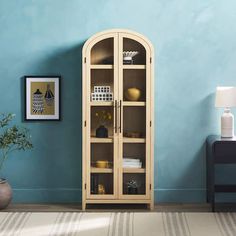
x=49 y=96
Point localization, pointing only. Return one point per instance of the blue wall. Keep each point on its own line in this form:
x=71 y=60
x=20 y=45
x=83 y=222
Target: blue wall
x=195 y=51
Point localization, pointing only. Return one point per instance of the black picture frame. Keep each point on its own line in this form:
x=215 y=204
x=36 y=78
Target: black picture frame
x=28 y=79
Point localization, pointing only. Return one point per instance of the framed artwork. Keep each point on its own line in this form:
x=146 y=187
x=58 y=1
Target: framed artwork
x=42 y=98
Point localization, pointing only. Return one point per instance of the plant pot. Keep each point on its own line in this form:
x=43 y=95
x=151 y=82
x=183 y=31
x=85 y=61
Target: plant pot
x=132 y=190
x=5 y=194
x=102 y=132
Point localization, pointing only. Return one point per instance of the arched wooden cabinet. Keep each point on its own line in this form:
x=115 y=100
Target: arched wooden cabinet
x=117 y=168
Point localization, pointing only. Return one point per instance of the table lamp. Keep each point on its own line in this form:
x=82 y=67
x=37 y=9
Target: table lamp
x=226 y=98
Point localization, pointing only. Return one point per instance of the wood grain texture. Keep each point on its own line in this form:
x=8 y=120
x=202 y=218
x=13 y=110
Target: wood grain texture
x=111 y=44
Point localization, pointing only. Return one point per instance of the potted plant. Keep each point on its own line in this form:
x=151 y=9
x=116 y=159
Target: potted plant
x=103 y=118
x=11 y=139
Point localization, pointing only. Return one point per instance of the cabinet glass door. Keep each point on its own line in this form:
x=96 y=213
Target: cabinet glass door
x=102 y=143
x=134 y=109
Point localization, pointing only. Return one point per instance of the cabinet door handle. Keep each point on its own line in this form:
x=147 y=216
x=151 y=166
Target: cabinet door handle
x=120 y=114
x=115 y=116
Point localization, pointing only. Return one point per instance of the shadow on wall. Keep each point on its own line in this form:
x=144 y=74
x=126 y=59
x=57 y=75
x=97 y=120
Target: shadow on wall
x=58 y=144
x=190 y=185
x=66 y=63
x=196 y=172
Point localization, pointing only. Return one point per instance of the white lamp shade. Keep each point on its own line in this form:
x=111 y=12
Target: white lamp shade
x=225 y=97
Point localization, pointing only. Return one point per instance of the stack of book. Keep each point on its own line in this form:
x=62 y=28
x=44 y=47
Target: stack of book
x=131 y=163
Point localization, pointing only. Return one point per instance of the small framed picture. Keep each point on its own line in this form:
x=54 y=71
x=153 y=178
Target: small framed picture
x=42 y=98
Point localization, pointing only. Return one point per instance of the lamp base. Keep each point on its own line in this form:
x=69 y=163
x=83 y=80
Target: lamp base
x=227 y=124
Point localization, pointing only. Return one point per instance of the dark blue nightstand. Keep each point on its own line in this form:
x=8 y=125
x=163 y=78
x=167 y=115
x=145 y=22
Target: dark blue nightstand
x=218 y=151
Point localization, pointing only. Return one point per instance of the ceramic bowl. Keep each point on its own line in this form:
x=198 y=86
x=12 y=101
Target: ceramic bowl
x=102 y=164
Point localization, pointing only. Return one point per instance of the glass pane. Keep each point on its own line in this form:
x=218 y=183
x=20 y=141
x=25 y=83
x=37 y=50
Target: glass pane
x=134 y=155
x=101 y=183
x=102 y=121
x=102 y=52
x=102 y=85
x=102 y=156
x=134 y=122
x=133 y=52
x=102 y=163
x=134 y=184
x=134 y=118
x=134 y=85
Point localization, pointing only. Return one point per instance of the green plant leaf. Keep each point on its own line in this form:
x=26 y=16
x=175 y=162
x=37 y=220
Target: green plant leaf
x=12 y=138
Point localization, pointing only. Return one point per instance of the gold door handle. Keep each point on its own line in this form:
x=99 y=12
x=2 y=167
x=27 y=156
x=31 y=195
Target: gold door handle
x=115 y=116
x=120 y=114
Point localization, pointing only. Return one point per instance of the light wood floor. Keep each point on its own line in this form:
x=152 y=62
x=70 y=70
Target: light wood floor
x=74 y=208
x=119 y=208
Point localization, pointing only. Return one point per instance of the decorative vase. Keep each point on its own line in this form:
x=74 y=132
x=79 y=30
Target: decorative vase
x=5 y=194
x=102 y=132
x=132 y=94
x=132 y=187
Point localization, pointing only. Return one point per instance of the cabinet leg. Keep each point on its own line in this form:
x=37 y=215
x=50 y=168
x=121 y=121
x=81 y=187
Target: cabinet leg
x=151 y=206
x=213 y=201
x=83 y=206
x=213 y=206
x=207 y=196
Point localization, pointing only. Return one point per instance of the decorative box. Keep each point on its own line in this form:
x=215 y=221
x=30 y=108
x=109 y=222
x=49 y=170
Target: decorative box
x=102 y=93
x=102 y=89
x=102 y=97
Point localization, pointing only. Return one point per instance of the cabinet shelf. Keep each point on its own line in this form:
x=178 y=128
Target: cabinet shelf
x=125 y=103
x=140 y=67
x=101 y=170
x=103 y=104
x=97 y=67
x=134 y=170
x=101 y=140
x=133 y=140
x=134 y=104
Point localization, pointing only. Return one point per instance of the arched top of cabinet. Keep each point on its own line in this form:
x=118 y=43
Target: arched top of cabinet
x=113 y=32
